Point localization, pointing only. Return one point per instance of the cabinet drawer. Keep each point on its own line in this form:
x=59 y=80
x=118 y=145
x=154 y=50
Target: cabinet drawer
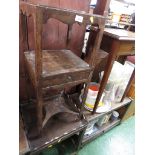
x=65 y=79
x=126 y=48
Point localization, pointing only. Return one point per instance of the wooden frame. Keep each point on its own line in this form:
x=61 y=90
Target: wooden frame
x=116 y=46
x=40 y=16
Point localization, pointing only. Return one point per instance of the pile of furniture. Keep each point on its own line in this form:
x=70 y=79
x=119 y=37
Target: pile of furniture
x=47 y=120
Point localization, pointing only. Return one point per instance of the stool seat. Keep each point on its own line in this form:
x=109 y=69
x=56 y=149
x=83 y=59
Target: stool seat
x=59 y=67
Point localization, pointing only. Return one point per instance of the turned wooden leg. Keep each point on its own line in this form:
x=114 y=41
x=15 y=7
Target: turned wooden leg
x=39 y=106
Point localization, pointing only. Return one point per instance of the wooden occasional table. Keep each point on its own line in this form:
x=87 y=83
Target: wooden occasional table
x=122 y=40
x=116 y=42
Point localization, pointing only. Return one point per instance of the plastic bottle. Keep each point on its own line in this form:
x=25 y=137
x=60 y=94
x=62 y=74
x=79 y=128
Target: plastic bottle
x=108 y=94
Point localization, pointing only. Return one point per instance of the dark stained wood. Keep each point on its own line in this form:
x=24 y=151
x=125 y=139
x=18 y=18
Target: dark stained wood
x=110 y=61
x=69 y=33
x=64 y=15
x=126 y=48
x=120 y=34
x=22 y=47
x=85 y=94
x=78 y=32
x=57 y=62
x=129 y=85
x=122 y=111
x=89 y=47
x=55 y=106
x=54 y=3
x=56 y=68
x=23 y=143
x=52 y=135
x=131 y=92
x=56 y=130
x=38 y=22
x=114 y=43
x=80 y=138
x=100 y=9
x=96 y=47
x=39 y=108
x=126 y=38
x=106 y=43
x=55 y=32
x=127 y=43
x=53 y=37
x=23 y=32
x=100 y=63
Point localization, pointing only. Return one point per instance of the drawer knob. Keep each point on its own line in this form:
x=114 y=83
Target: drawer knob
x=69 y=77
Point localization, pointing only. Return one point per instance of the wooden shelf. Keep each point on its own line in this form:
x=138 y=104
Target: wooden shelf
x=56 y=107
x=114 y=106
x=91 y=117
x=99 y=130
x=56 y=129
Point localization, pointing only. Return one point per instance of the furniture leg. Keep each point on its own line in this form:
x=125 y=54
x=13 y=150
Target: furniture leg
x=39 y=103
x=80 y=138
x=129 y=85
x=85 y=94
x=111 y=59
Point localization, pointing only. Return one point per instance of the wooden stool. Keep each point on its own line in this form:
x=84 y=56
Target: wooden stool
x=56 y=68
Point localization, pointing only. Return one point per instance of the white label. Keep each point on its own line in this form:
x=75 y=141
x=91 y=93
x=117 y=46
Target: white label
x=79 y=18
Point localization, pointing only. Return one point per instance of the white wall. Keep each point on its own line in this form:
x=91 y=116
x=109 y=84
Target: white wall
x=93 y=2
x=122 y=8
